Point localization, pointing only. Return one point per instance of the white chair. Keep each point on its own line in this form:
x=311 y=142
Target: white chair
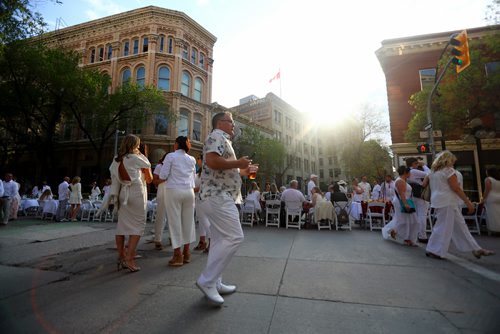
x=273 y=211
x=49 y=209
x=248 y=213
x=474 y=226
x=431 y=218
x=87 y=210
x=376 y=212
x=346 y=206
x=293 y=214
x=324 y=215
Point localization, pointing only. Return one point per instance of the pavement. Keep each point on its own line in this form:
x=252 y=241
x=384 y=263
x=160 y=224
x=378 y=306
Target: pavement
x=62 y=278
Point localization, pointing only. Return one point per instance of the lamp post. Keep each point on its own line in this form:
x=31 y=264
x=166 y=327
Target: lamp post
x=117 y=132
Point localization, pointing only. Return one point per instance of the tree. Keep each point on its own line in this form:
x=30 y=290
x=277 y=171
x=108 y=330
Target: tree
x=269 y=153
x=460 y=97
x=493 y=12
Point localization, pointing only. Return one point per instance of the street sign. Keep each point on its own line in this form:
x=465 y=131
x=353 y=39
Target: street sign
x=428 y=126
x=435 y=134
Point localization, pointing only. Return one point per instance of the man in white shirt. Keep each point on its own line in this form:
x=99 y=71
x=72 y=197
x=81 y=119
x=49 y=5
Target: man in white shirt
x=387 y=189
x=9 y=191
x=342 y=186
x=292 y=194
x=63 y=196
x=311 y=184
x=418 y=171
x=376 y=194
x=2 y=206
x=366 y=189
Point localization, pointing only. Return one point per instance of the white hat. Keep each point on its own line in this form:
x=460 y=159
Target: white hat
x=342 y=182
x=313 y=176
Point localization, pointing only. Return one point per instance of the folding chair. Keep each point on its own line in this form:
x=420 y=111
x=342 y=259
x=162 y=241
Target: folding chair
x=87 y=210
x=293 y=211
x=273 y=210
x=339 y=206
x=49 y=209
x=474 y=226
x=431 y=219
x=376 y=212
x=248 y=213
x=324 y=215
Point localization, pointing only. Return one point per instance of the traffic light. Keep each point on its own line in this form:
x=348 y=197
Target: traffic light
x=423 y=148
x=460 y=51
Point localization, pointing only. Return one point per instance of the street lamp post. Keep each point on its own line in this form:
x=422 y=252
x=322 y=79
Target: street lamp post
x=117 y=132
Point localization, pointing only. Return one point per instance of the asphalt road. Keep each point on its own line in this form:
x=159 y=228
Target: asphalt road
x=62 y=278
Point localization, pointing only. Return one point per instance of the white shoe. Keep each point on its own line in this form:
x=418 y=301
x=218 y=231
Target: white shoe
x=211 y=294
x=226 y=289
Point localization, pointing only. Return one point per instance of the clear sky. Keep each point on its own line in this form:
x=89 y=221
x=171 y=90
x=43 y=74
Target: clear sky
x=325 y=49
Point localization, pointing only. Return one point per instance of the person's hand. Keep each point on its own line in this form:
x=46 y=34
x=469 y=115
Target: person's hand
x=244 y=162
x=407 y=207
x=470 y=206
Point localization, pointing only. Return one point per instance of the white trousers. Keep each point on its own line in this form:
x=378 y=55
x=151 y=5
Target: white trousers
x=161 y=212
x=180 y=213
x=421 y=208
x=450 y=226
x=226 y=237
x=204 y=224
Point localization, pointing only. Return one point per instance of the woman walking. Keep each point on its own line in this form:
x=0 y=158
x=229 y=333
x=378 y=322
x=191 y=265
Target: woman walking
x=179 y=172
x=130 y=172
x=75 y=197
x=450 y=224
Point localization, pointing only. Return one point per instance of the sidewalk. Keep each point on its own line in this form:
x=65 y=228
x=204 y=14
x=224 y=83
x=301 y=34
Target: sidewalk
x=289 y=281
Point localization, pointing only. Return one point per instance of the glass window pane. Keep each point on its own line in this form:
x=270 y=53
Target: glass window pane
x=185 y=84
x=126 y=48
x=198 y=85
x=145 y=44
x=427 y=77
x=161 y=125
x=126 y=76
x=164 y=78
x=136 y=46
x=197 y=127
x=183 y=124
x=141 y=76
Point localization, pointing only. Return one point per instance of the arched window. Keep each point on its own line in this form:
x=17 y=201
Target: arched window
x=92 y=55
x=164 y=78
x=170 y=47
x=145 y=44
x=186 y=83
x=198 y=88
x=183 y=124
x=197 y=127
x=194 y=56
x=126 y=76
x=140 y=76
x=126 y=48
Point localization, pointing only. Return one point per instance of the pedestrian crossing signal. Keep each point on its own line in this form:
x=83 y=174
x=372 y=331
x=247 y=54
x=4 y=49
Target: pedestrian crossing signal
x=423 y=148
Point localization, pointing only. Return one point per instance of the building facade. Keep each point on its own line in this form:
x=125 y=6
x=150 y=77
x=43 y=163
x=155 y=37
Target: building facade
x=409 y=65
x=292 y=128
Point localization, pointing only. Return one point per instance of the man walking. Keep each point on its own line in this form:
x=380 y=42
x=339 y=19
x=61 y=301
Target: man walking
x=219 y=191
x=63 y=196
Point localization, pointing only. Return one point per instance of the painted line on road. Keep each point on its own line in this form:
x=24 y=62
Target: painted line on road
x=474 y=267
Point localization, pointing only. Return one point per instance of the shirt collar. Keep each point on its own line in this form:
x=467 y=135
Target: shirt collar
x=225 y=134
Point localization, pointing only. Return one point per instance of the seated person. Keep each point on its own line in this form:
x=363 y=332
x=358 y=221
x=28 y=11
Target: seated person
x=254 y=198
x=292 y=197
x=338 y=195
x=46 y=195
x=272 y=194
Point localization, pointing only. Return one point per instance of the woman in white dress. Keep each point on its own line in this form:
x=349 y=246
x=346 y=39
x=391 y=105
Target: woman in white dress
x=491 y=199
x=179 y=172
x=130 y=172
x=95 y=192
x=75 y=197
x=357 y=197
x=450 y=224
x=404 y=225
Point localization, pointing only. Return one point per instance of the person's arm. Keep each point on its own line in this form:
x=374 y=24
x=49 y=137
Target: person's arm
x=217 y=162
x=455 y=186
x=425 y=183
x=147 y=175
x=487 y=189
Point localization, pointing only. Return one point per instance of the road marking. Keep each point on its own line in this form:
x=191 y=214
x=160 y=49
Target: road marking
x=474 y=267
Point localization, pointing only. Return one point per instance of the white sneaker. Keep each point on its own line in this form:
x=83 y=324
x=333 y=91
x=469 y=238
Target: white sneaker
x=226 y=289
x=211 y=293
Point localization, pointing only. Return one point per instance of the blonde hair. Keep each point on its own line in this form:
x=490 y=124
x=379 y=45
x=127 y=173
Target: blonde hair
x=443 y=160
x=129 y=143
x=76 y=180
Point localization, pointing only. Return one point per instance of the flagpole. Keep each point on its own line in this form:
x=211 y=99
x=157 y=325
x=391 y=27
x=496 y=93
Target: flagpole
x=280 y=81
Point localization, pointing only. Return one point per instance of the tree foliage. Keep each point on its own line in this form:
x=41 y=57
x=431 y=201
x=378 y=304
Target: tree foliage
x=460 y=97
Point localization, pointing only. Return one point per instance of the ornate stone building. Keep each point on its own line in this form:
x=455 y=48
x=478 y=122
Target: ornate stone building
x=409 y=64
x=149 y=46
x=292 y=128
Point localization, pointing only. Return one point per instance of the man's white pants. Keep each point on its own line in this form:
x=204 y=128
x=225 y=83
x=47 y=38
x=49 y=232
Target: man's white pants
x=421 y=208
x=161 y=212
x=226 y=236
x=204 y=224
x=450 y=226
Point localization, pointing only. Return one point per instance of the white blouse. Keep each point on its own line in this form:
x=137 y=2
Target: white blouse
x=441 y=193
x=179 y=170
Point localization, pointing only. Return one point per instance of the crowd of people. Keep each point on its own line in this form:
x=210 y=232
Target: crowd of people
x=209 y=190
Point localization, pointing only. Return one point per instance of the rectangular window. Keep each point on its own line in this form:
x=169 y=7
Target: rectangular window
x=145 y=44
x=110 y=52
x=92 y=56
x=194 y=56
x=101 y=54
x=161 y=125
x=330 y=172
x=277 y=117
x=136 y=46
x=330 y=161
x=162 y=43
x=185 y=52
x=427 y=77
x=278 y=135
x=183 y=125
x=197 y=127
x=202 y=60
x=170 y=45
x=321 y=162
x=321 y=174
x=126 y=48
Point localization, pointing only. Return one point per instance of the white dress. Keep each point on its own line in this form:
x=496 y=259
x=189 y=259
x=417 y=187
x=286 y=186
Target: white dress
x=132 y=194
x=75 y=196
x=492 y=204
x=404 y=224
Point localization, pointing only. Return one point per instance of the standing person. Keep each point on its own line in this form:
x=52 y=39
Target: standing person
x=178 y=171
x=357 y=197
x=376 y=192
x=311 y=184
x=16 y=201
x=450 y=224
x=220 y=191
x=75 y=197
x=404 y=225
x=204 y=224
x=94 y=192
x=418 y=171
x=367 y=188
x=388 y=187
x=11 y=193
x=3 y=207
x=491 y=199
x=161 y=211
x=63 y=196
x=130 y=172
